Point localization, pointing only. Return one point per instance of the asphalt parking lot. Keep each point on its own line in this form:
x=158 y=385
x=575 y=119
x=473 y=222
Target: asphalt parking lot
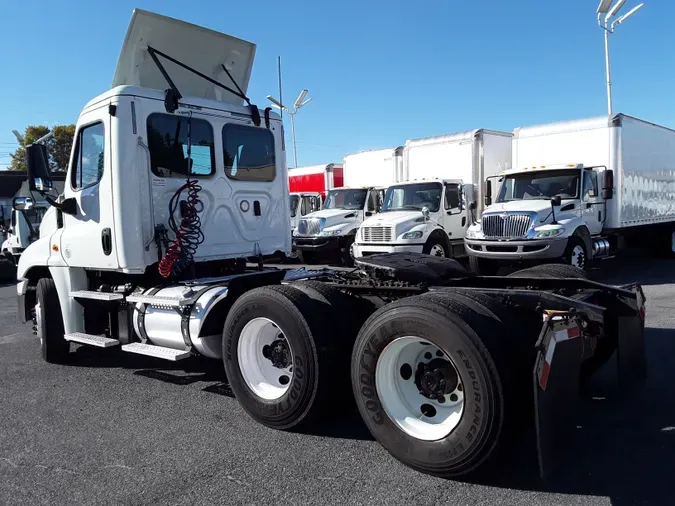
x=111 y=428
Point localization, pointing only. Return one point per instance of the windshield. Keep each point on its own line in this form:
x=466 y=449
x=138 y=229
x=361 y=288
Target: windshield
x=294 y=205
x=346 y=199
x=540 y=185
x=413 y=196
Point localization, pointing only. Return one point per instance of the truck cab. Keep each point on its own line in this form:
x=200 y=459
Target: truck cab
x=303 y=204
x=540 y=213
x=332 y=230
x=417 y=216
x=24 y=227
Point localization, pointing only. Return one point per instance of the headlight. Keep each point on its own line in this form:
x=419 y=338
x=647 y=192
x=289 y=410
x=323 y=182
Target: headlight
x=331 y=232
x=549 y=232
x=413 y=235
x=473 y=231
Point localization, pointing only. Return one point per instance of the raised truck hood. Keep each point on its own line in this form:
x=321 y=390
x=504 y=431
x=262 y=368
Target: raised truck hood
x=200 y=48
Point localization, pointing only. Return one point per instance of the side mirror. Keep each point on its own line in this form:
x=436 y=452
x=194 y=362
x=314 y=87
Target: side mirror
x=488 y=192
x=556 y=201
x=22 y=203
x=37 y=162
x=608 y=184
x=425 y=212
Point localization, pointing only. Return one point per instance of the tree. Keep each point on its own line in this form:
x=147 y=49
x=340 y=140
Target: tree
x=58 y=146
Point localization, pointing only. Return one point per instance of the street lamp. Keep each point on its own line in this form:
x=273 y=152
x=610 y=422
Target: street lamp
x=606 y=8
x=299 y=102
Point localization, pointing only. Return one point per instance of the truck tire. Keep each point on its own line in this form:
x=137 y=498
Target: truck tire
x=49 y=322
x=483 y=266
x=308 y=257
x=277 y=355
x=576 y=253
x=459 y=435
x=347 y=253
x=550 y=271
x=436 y=246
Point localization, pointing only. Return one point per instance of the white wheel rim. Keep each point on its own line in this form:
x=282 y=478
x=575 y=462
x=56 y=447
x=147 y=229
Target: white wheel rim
x=38 y=320
x=417 y=415
x=266 y=380
x=437 y=251
x=578 y=256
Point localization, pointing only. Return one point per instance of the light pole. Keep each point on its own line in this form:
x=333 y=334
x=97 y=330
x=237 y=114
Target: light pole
x=606 y=8
x=299 y=102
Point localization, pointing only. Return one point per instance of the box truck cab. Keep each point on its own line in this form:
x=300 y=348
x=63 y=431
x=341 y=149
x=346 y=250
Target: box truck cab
x=415 y=216
x=303 y=204
x=619 y=187
x=430 y=211
x=331 y=231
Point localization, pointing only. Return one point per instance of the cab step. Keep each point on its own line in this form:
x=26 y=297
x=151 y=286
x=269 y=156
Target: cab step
x=92 y=295
x=156 y=351
x=170 y=302
x=91 y=339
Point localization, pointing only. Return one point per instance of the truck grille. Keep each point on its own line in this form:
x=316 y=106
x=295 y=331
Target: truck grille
x=508 y=226
x=310 y=226
x=376 y=234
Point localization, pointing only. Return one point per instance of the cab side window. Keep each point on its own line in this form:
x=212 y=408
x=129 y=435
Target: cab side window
x=452 y=196
x=590 y=184
x=88 y=161
x=374 y=201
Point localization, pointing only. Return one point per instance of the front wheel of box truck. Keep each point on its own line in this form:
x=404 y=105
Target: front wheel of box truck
x=48 y=322
x=576 y=253
x=277 y=355
x=431 y=381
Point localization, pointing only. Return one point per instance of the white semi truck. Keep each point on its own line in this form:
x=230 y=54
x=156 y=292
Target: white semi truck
x=173 y=182
x=332 y=231
x=24 y=225
x=427 y=212
x=579 y=191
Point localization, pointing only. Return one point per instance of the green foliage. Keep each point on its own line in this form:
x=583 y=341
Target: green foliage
x=58 y=145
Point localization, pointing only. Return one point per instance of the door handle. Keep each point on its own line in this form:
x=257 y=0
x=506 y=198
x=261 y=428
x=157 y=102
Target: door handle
x=106 y=241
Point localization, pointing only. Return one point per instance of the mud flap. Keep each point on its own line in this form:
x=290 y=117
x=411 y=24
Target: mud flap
x=631 y=360
x=556 y=388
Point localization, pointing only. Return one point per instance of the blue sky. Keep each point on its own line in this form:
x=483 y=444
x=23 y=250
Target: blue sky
x=379 y=72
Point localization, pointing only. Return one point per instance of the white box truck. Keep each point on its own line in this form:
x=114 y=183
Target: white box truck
x=428 y=211
x=578 y=191
x=332 y=230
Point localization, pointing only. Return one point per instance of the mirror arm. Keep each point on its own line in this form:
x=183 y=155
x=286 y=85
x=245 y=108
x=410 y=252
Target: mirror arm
x=68 y=206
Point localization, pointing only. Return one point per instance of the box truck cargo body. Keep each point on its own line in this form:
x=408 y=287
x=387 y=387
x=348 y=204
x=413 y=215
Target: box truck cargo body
x=315 y=178
x=428 y=211
x=579 y=191
x=331 y=231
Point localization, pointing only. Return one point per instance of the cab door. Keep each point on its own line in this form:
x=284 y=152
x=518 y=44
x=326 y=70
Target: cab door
x=592 y=205
x=454 y=219
x=88 y=236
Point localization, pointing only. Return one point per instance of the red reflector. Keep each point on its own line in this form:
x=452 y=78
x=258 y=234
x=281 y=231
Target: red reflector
x=572 y=332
